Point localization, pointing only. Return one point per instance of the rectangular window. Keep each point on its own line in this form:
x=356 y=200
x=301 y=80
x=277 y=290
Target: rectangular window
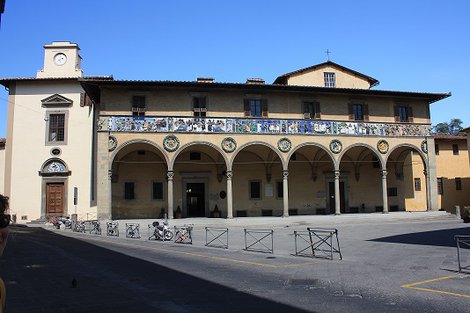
x=440 y=186
x=458 y=183
x=417 y=184
x=358 y=112
x=199 y=106
x=56 y=128
x=138 y=105
x=255 y=190
x=455 y=149
x=330 y=79
x=280 y=189
x=256 y=107
x=392 y=192
x=311 y=110
x=436 y=148
x=157 y=191
x=403 y=114
x=129 y=191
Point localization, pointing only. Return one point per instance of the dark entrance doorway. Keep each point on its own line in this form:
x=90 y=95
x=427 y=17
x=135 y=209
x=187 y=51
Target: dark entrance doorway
x=55 y=199
x=195 y=199
x=331 y=191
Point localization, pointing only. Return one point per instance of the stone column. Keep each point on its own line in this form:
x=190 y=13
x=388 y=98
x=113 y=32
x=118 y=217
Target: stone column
x=337 y=194
x=103 y=177
x=285 y=192
x=428 y=194
x=170 y=175
x=431 y=181
x=229 y=195
x=384 y=191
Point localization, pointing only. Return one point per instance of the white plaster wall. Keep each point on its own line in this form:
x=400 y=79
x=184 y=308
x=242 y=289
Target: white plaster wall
x=29 y=150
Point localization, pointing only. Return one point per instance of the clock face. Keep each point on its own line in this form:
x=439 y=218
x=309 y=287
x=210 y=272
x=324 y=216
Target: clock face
x=60 y=59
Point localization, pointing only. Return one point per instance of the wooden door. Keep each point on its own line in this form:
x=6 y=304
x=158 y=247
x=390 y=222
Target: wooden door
x=55 y=199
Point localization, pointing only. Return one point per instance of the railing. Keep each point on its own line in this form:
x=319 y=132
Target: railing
x=154 y=124
x=259 y=240
x=463 y=242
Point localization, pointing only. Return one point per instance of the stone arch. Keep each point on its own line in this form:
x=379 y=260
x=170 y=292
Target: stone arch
x=305 y=144
x=138 y=141
x=251 y=143
x=193 y=143
x=412 y=147
x=383 y=164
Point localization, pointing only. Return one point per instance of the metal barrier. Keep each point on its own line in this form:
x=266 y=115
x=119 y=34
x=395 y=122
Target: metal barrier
x=133 y=230
x=261 y=240
x=463 y=241
x=217 y=235
x=183 y=234
x=112 y=229
x=79 y=226
x=95 y=227
x=318 y=240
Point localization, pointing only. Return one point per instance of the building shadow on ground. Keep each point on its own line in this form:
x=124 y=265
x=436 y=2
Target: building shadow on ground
x=444 y=237
x=47 y=272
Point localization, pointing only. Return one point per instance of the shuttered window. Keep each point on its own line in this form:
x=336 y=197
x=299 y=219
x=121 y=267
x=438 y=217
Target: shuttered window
x=311 y=110
x=256 y=107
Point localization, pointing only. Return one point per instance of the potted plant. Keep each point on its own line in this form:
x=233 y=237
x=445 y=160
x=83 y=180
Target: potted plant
x=216 y=212
x=178 y=213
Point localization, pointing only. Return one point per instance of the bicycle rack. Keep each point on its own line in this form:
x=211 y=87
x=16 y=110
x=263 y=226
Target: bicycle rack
x=112 y=229
x=464 y=242
x=133 y=230
x=261 y=240
x=96 y=228
x=183 y=234
x=318 y=240
x=79 y=226
x=217 y=235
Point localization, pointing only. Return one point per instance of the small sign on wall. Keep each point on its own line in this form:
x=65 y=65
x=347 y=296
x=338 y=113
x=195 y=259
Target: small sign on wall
x=268 y=190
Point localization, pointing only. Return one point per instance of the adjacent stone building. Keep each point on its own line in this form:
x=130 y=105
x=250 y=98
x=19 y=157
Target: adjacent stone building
x=316 y=141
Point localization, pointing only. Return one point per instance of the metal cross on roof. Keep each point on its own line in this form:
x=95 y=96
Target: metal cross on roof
x=328 y=54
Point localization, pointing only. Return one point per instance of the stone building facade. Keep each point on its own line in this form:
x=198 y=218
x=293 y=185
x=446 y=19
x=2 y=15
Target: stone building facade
x=316 y=141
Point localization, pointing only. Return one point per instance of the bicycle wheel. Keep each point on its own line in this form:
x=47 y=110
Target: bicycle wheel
x=168 y=235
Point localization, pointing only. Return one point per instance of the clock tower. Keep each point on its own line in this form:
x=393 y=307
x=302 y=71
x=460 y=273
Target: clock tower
x=61 y=59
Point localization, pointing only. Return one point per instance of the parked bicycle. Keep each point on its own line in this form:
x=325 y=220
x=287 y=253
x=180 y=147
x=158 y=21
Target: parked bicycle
x=161 y=232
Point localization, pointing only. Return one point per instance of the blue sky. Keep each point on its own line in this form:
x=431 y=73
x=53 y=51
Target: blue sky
x=406 y=45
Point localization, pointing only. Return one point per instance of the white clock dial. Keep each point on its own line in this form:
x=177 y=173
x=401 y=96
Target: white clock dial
x=60 y=59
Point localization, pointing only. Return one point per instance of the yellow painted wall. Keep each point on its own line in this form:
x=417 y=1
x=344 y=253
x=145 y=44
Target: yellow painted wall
x=316 y=78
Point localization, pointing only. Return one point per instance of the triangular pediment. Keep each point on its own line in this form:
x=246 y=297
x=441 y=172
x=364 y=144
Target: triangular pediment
x=56 y=100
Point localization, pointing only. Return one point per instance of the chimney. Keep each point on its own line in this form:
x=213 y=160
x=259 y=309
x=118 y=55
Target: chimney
x=253 y=81
x=205 y=80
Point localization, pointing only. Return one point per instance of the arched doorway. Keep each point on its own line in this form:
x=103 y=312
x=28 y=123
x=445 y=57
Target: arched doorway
x=407 y=179
x=139 y=188
x=200 y=186
x=311 y=169
x=257 y=181
x=360 y=170
x=54 y=173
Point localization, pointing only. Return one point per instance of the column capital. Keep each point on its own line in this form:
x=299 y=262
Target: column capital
x=383 y=173
x=229 y=174
x=170 y=175
x=337 y=173
x=285 y=174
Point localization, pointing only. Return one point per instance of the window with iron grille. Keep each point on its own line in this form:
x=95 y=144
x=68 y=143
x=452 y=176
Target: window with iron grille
x=392 y=191
x=129 y=191
x=330 y=79
x=56 y=127
x=417 y=184
x=455 y=149
x=157 y=191
x=280 y=189
x=458 y=183
x=436 y=148
x=255 y=190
